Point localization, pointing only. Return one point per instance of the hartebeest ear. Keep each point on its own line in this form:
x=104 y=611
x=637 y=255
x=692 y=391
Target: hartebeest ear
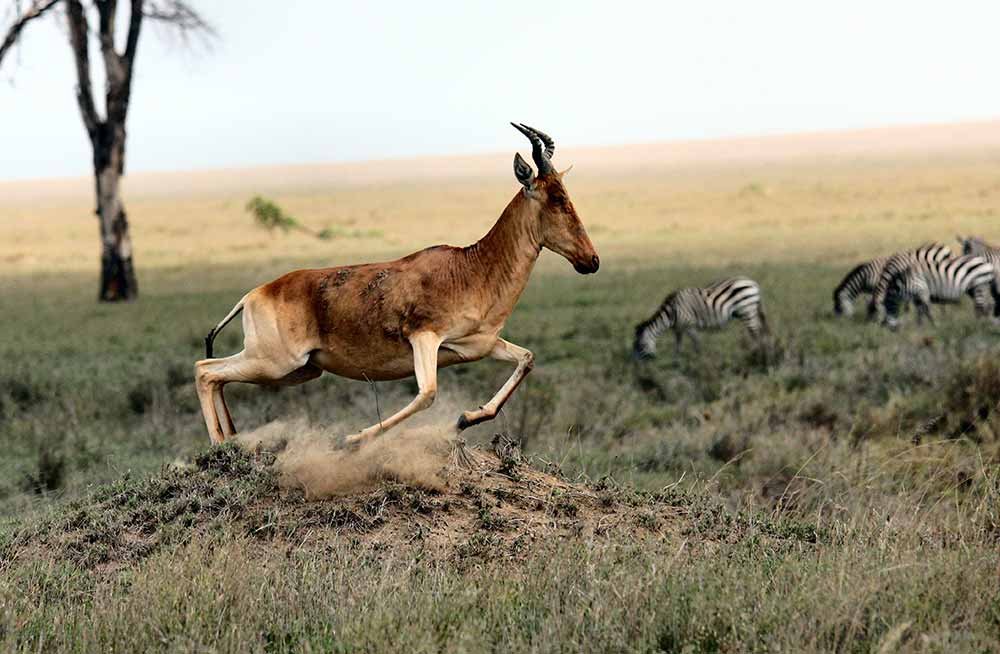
x=524 y=173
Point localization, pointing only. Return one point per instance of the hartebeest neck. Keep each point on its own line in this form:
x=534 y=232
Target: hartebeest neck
x=501 y=262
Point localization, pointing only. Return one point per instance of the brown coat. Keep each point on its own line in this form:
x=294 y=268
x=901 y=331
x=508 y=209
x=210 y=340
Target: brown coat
x=437 y=307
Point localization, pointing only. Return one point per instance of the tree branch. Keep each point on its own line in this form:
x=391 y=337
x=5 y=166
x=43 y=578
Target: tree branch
x=113 y=67
x=37 y=8
x=178 y=15
x=78 y=33
x=134 y=27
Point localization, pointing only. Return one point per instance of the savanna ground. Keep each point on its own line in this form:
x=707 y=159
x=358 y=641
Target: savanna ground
x=841 y=495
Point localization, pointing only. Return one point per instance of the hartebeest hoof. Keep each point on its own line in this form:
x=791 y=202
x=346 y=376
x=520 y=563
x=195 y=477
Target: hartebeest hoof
x=471 y=418
x=350 y=443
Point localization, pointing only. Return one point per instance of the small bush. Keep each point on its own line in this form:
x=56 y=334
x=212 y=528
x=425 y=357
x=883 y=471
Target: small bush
x=819 y=415
x=727 y=447
x=18 y=395
x=49 y=473
x=972 y=396
x=140 y=398
x=178 y=375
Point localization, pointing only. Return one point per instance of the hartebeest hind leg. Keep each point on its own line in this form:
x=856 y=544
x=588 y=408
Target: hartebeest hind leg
x=502 y=351
x=222 y=409
x=425 y=356
x=211 y=375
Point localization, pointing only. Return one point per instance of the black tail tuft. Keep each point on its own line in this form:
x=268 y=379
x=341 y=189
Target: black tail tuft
x=208 y=343
x=995 y=292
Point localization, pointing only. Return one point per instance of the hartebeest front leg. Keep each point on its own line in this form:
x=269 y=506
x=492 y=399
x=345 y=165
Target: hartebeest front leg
x=425 y=355
x=503 y=351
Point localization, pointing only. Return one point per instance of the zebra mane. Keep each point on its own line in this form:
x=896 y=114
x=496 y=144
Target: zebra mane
x=860 y=280
x=848 y=281
x=975 y=245
x=666 y=308
x=656 y=323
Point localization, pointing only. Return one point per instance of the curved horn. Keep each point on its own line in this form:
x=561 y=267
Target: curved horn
x=540 y=148
x=550 y=145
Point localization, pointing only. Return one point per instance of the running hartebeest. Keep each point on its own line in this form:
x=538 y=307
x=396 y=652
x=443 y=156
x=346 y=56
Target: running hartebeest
x=434 y=308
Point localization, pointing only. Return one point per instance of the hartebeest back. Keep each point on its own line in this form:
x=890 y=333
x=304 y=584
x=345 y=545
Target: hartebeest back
x=434 y=308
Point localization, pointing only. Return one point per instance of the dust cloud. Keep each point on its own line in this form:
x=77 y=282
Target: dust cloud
x=312 y=458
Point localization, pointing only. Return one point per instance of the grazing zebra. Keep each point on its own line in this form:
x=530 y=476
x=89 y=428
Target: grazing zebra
x=862 y=280
x=928 y=253
x=689 y=309
x=940 y=281
x=979 y=247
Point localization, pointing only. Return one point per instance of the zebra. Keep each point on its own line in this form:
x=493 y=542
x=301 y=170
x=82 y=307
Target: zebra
x=862 y=280
x=940 y=281
x=979 y=247
x=688 y=309
x=895 y=265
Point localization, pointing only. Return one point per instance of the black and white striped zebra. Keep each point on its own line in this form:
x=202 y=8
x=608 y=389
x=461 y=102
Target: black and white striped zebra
x=687 y=310
x=940 y=281
x=928 y=253
x=862 y=280
x=979 y=247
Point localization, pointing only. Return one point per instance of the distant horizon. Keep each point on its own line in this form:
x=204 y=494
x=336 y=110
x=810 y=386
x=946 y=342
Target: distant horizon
x=349 y=82
x=516 y=145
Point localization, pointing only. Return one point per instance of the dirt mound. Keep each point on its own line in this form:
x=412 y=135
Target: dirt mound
x=475 y=503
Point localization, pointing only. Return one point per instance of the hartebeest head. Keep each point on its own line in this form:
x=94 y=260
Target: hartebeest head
x=561 y=230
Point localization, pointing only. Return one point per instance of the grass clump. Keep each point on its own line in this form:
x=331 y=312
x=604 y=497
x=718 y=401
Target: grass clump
x=130 y=519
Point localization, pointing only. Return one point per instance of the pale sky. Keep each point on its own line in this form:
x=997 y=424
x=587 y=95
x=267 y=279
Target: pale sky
x=305 y=81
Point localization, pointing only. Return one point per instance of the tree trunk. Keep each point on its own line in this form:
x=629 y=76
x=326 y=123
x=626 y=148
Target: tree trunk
x=117 y=271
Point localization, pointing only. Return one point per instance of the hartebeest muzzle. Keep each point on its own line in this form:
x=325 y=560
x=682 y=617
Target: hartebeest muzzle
x=586 y=268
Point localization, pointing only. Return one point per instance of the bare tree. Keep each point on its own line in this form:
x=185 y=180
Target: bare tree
x=107 y=134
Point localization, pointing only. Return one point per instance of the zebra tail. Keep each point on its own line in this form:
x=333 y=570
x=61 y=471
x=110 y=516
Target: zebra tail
x=995 y=292
x=765 y=328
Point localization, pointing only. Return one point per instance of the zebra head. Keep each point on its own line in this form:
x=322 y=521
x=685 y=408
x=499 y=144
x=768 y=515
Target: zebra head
x=842 y=305
x=644 y=346
x=647 y=332
x=972 y=245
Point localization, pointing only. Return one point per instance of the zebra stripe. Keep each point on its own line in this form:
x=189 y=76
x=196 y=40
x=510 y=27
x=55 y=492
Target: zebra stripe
x=927 y=253
x=940 y=281
x=862 y=280
x=973 y=245
x=687 y=310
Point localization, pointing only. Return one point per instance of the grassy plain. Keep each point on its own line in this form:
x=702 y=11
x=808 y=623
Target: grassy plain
x=842 y=496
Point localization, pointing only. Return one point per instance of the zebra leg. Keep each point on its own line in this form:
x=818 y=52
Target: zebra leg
x=756 y=324
x=695 y=340
x=872 y=309
x=978 y=295
x=923 y=311
x=678 y=335
x=765 y=329
x=890 y=318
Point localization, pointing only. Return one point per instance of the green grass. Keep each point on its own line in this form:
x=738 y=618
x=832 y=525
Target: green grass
x=843 y=497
